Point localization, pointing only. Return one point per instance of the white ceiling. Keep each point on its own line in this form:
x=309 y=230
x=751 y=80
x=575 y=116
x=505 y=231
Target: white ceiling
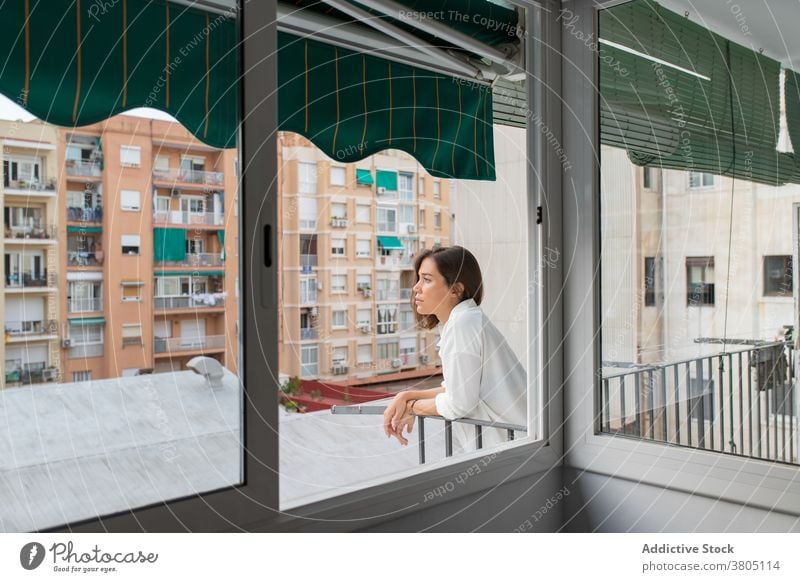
x=771 y=25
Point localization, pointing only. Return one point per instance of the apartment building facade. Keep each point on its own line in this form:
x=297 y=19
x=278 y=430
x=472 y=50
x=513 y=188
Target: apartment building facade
x=138 y=274
x=349 y=233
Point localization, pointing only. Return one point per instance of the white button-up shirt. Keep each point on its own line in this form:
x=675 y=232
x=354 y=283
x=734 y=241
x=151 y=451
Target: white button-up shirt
x=483 y=379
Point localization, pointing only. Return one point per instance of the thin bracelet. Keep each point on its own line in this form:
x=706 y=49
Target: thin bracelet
x=413 y=402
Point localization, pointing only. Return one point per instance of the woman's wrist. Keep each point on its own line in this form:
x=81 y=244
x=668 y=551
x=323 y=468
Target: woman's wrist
x=410 y=406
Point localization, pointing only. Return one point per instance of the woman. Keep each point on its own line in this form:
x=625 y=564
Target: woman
x=482 y=378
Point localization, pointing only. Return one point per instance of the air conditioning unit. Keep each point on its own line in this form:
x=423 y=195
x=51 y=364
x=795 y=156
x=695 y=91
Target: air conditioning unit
x=50 y=374
x=338 y=369
x=66 y=342
x=174 y=193
x=381 y=190
x=319 y=285
x=412 y=228
x=366 y=328
x=314 y=312
x=396 y=363
x=424 y=358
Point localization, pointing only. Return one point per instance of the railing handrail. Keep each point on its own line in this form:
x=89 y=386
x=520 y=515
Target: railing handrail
x=378 y=409
x=651 y=366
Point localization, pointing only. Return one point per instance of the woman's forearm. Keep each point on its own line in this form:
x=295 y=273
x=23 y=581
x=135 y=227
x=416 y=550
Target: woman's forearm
x=421 y=394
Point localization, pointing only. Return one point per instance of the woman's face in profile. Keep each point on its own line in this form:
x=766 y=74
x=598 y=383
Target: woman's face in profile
x=431 y=292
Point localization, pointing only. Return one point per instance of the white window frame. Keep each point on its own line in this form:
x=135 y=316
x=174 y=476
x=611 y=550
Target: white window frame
x=337 y=314
x=305 y=170
x=339 y=247
x=132 y=240
x=341 y=173
x=360 y=252
x=130 y=200
x=702 y=178
x=130 y=156
x=361 y=209
x=335 y=278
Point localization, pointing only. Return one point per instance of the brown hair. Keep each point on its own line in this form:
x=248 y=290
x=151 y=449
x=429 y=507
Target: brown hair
x=457 y=265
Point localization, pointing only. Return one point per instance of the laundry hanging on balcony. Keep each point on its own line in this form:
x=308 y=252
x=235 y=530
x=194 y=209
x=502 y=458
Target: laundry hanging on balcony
x=677 y=95
x=74 y=62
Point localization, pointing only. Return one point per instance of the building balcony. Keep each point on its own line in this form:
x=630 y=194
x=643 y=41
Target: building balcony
x=24 y=331
x=189 y=177
x=31 y=280
x=742 y=402
x=176 y=345
x=83 y=169
x=86 y=351
x=84 y=259
x=308 y=333
x=195 y=260
x=32 y=373
x=308 y=261
x=183 y=218
x=387 y=294
x=37 y=233
x=91 y=214
x=207 y=301
x=84 y=305
x=25 y=188
x=339 y=222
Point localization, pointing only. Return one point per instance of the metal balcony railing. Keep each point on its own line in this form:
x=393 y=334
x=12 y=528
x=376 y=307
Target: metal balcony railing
x=181 y=344
x=387 y=294
x=740 y=402
x=86 y=351
x=308 y=333
x=91 y=214
x=188 y=218
x=195 y=260
x=83 y=259
x=81 y=168
x=32 y=232
x=189 y=177
x=85 y=304
x=511 y=429
x=21 y=329
x=31 y=279
x=308 y=261
x=34 y=186
x=185 y=302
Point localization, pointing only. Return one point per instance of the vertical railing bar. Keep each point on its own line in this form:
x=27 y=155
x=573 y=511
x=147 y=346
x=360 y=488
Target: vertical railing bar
x=664 y=421
x=421 y=440
x=651 y=406
x=622 y=404
x=448 y=438
x=741 y=408
x=701 y=424
x=606 y=406
x=758 y=401
x=750 y=400
x=731 y=442
x=689 y=400
x=721 y=373
x=791 y=403
x=510 y=434
x=637 y=404
x=677 y=405
x=478 y=436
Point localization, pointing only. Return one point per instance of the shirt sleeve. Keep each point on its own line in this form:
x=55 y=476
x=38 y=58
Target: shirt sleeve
x=462 y=356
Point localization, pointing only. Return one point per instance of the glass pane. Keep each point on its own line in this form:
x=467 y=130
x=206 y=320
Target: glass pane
x=698 y=307
x=113 y=345
x=349 y=332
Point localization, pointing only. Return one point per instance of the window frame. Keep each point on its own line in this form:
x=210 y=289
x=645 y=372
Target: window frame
x=739 y=480
x=787 y=267
x=253 y=504
x=130 y=150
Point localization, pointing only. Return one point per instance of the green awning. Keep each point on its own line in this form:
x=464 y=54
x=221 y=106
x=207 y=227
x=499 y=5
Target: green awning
x=74 y=63
x=88 y=321
x=691 y=99
x=364 y=177
x=85 y=229
x=196 y=272
x=386 y=179
x=221 y=237
x=169 y=244
x=390 y=243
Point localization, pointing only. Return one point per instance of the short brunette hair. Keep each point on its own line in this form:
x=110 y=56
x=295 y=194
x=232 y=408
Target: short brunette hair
x=457 y=265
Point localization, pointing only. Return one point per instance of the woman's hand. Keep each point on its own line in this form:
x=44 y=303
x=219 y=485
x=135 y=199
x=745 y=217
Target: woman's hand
x=407 y=422
x=393 y=413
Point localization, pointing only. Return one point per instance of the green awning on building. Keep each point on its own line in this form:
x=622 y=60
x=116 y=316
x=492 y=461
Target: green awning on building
x=364 y=177
x=390 y=243
x=71 y=63
x=169 y=244
x=221 y=237
x=88 y=321
x=85 y=229
x=386 y=179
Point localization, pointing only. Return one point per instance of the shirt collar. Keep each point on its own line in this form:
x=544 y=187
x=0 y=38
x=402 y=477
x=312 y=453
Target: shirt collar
x=463 y=306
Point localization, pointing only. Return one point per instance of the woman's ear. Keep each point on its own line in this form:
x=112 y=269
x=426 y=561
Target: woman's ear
x=458 y=289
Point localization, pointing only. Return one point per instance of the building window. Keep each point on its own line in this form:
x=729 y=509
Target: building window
x=364 y=354
x=437 y=219
x=131 y=334
x=130 y=200
x=130 y=156
x=363 y=282
x=406 y=214
x=421 y=190
x=130 y=244
x=700 y=280
x=362 y=248
x=309 y=361
x=363 y=213
x=338 y=176
x=406 y=186
x=437 y=192
x=86 y=341
x=307 y=178
x=701 y=180
x=364 y=317
x=338 y=283
x=422 y=218
x=387 y=319
x=161 y=164
x=339 y=318
x=649 y=281
x=84 y=296
x=387 y=219
x=338 y=210
x=84 y=376
x=778 y=276
x=649 y=178
x=339 y=355
x=308 y=291
x=388 y=350
x=132 y=290
x=308 y=213
x=338 y=247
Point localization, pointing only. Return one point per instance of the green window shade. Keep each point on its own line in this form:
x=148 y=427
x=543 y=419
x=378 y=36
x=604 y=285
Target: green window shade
x=390 y=243
x=169 y=244
x=194 y=272
x=713 y=106
x=85 y=229
x=386 y=180
x=364 y=177
x=88 y=321
x=221 y=237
